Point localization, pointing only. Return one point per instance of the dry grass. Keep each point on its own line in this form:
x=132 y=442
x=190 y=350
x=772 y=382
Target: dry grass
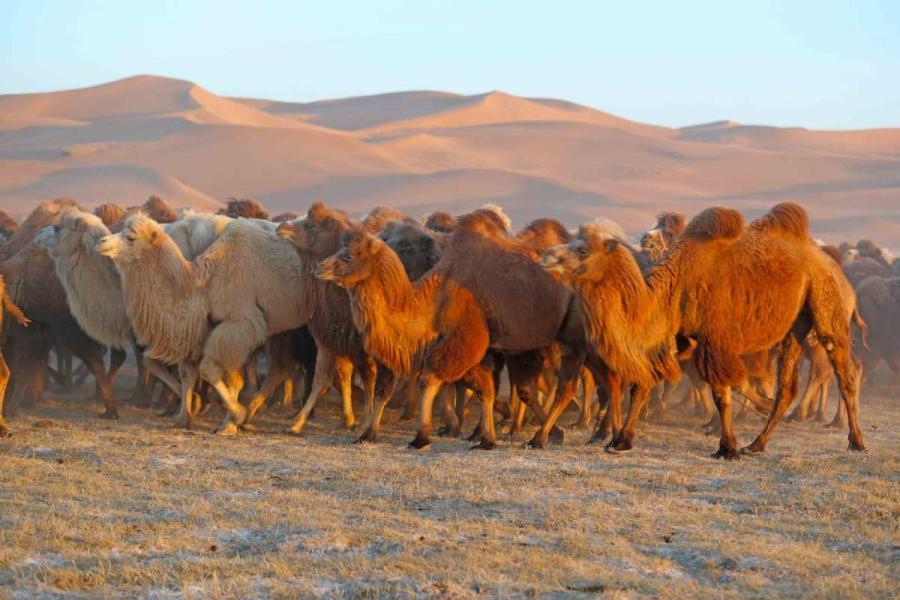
x=135 y=508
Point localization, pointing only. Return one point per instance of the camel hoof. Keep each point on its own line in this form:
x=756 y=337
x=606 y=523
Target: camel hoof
x=754 y=448
x=856 y=447
x=228 y=430
x=557 y=436
x=474 y=436
x=448 y=431
x=419 y=442
x=182 y=424
x=4 y=431
x=368 y=437
x=537 y=443
x=241 y=418
x=484 y=445
x=111 y=415
x=726 y=453
x=618 y=447
x=350 y=426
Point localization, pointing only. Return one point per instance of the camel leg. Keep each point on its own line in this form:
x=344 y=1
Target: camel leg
x=788 y=371
x=611 y=424
x=276 y=376
x=849 y=374
x=95 y=365
x=161 y=372
x=324 y=376
x=452 y=425
x=4 y=380
x=410 y=400
x=801 y=412
x=388 y=383
x=727 y=442
x=760 y=405
x=429 y=385
x=229 y=389
x=588 y=387
x=823 y=400
x=344 y=373
x=622 y=442
x=187 y=373
x=484 y=381
x=566 y=391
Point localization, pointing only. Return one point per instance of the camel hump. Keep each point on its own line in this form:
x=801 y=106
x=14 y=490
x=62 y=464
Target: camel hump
x=672 y=222
x=716 y=223
x=787 y=218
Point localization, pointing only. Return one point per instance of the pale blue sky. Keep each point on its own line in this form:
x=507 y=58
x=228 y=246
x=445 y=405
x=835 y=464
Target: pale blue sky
x=823 y=64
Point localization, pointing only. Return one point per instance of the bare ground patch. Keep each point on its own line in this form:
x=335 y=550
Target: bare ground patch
x=136 y=508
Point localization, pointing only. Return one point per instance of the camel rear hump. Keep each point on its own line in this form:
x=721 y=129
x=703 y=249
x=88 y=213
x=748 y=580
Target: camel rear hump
x=786 y=218
x=716 y=223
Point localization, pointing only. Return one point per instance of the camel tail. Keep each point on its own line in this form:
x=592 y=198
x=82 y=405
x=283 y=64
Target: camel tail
x=863 y=328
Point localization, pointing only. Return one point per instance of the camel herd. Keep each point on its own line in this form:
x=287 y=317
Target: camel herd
x=403 y=312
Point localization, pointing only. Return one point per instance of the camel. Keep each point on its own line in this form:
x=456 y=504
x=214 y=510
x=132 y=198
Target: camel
x=440 y=221
x=155 y=208
x=15 y=312
x=93 y=288
x=879 y=306
x=700 y=291
x=656 y=240
x=246 y=208
x=481 y=294
x=860 y=268
x=110 y=213
x=285 y=217
x=207 y=316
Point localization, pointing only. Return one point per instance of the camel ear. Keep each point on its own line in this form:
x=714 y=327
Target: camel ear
x=369 y=245
x=154 y=235
x=610 y=245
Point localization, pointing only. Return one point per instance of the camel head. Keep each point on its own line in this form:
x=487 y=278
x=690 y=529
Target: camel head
x=76 y=231
x=416 y=246
x=318 y=233
x=246 y=208
x=486 y=221
x=140 y=235
x=656 y=240
x=440 y=221
x=589 y=257
x=379 y=217
x=355 y=261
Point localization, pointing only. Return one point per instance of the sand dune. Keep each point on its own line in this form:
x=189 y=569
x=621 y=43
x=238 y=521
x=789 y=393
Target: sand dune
x=419 y=151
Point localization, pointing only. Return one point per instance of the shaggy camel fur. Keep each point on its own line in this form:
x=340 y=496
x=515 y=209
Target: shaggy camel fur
x=110 y=213
x=700 y=290
x=859 y=269
x=879 y=306
x=656 y=240
x=34 y=286
x=8 y=307
x=93 y=287
x=331 y=324
x=212 y=312
x=481 y=293
x=285 y=217
x=46 y=213
x=155 y=208
x=440 y=221
x=246 y=208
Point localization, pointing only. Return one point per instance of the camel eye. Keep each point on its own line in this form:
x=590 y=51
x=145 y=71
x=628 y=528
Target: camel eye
x=582 y=251
x=308 y=225
x=130 y=237
x=56 y=228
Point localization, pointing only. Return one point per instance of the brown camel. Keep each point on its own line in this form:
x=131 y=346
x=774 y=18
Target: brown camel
x=110 y=213
x=440 y=221
x=656 y=240
x=480 y=294
x=702 y=290
x=859 y=269
x=247 y=208
x=331 y=324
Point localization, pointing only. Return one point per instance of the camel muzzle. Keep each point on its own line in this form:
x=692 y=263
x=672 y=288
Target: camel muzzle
x=285 y=230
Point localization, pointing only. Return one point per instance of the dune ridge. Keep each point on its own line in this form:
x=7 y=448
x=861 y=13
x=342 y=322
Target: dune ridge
x=420 y=150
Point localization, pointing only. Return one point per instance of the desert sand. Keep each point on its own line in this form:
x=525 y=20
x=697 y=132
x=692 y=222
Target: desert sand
x=122 y=141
